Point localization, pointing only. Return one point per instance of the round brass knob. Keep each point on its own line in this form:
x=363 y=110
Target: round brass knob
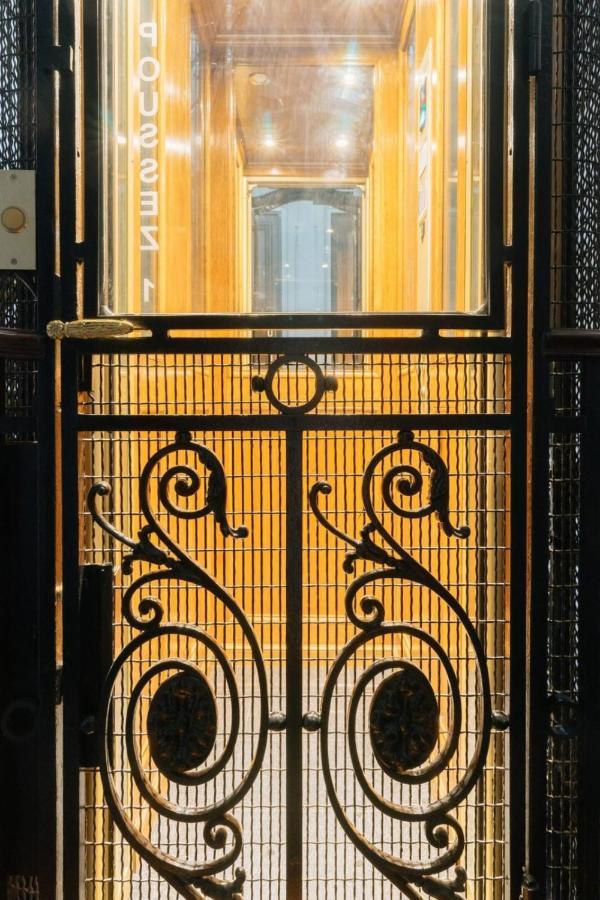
x=14 y=219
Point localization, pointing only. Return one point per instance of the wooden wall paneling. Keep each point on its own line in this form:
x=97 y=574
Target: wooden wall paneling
x=221 y=199
x=463 y=217
x=407 y=188
x=175 y=158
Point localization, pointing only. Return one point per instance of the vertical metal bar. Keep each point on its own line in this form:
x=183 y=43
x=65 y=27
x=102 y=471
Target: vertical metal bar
x=536 y=420
x=67 y=167
x=495 y=162
x=91 y=137
x=70 y=623
x=294 y=542
x=522 y=234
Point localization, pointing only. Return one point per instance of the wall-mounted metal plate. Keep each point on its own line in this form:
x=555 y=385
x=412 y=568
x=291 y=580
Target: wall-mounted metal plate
x=17 y=220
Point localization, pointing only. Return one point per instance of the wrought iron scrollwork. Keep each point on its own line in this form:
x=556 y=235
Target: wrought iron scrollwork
x=322 y=384
x=181 y=720
x=404 y=712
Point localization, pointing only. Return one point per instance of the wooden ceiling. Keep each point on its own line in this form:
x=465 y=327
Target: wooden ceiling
x=306 y=117
x=322 y=19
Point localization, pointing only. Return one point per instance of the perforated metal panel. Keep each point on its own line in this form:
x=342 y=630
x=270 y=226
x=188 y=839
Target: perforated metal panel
x=575 y=301
x=574 y=304
x=18 y=150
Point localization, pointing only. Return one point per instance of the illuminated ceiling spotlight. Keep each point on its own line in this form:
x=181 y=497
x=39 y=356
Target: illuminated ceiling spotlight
x=349 y=77
x=269 y=140
x=259 y=79
x=342 y=142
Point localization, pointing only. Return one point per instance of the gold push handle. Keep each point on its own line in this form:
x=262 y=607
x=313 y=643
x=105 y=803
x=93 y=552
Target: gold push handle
x=89 y=329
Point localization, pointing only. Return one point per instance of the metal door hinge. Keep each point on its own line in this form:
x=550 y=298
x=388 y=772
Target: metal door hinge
x=61 y=58
x=534 y=36
x=89 y=329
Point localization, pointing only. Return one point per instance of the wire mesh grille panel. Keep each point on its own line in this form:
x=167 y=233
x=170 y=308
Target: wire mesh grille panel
x=478 y=574
x=22 y=887
x=266 y=485
x=563 y=664
x=253 y=571
x=214 y=384
x=576 y=165
x=17 y=85
x=18 y=131
x=575 y=270
x=18 y=293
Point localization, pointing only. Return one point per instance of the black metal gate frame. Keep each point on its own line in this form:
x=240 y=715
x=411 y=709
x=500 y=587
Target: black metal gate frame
x=76 y=358
x=510 y=257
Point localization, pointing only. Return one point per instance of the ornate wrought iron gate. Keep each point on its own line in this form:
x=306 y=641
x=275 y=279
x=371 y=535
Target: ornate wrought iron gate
x=295 y=616
x=271 y=460
x=294 y=573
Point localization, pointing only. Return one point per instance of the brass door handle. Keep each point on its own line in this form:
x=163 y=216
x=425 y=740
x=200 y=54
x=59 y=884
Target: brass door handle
x=89 y=329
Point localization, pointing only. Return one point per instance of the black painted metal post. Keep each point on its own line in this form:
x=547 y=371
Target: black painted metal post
x=71 y=626
x=294 y=817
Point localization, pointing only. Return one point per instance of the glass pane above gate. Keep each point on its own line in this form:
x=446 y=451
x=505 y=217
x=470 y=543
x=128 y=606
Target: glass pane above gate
x=360 y=125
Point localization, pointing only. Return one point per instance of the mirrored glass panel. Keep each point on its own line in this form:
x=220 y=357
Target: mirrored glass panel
x=261 y=156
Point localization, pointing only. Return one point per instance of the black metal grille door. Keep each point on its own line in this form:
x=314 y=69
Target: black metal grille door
x=300 y=579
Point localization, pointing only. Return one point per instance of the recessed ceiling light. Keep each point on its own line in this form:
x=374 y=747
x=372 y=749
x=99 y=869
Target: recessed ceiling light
x=269 y=140
x=342 y=142
x=349 y=77
x=259 y=79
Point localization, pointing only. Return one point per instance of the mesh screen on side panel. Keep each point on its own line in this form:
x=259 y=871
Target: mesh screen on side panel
x=22 y=887
x=575 y=298
x=18 y=129
x=563 y=665
x=575 y=303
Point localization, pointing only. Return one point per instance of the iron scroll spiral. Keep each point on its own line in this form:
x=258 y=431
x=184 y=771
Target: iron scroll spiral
x=405 y=698
x=180 y=755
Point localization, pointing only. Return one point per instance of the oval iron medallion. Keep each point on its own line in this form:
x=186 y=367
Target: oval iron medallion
x=182 y=723
x=404 y=722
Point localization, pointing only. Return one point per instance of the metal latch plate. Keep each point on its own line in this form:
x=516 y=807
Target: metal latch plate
x=17 y=220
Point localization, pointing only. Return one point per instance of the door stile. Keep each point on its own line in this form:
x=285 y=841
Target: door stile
x=70 y=735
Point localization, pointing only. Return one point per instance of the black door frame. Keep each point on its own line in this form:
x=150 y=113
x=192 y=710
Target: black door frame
x=56 y=81
x=513 y=258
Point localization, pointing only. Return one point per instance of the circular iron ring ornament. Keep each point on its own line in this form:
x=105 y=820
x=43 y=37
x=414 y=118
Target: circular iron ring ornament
x=404 y=722
x=323 y=383
x=182 y=723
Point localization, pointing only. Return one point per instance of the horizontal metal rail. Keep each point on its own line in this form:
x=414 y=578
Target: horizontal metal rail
x=178 y=423
x=571 y=343
x=163 y=340
x=15 y=344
